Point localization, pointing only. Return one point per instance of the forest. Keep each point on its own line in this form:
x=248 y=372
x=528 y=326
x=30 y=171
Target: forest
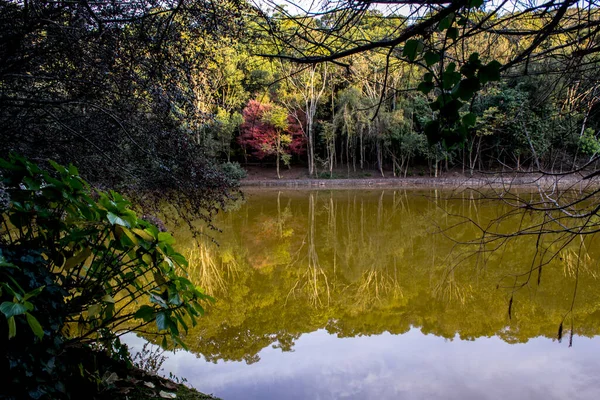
x=136 y=96
x=112 y=112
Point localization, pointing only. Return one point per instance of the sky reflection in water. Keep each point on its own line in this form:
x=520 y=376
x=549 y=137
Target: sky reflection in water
x=408 y=366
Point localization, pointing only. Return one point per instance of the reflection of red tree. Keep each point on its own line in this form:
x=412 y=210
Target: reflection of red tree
x=262 y=234
x=260 y=136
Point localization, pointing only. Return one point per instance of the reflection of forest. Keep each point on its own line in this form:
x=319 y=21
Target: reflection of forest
x=365 y=262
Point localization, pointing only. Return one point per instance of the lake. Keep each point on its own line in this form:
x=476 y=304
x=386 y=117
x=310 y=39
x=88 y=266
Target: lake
x=385 y=294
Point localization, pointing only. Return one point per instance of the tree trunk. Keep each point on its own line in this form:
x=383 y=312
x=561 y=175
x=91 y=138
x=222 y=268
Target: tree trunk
x=278 y=153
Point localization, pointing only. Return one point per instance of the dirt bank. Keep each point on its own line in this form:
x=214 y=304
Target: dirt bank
x=450 y=181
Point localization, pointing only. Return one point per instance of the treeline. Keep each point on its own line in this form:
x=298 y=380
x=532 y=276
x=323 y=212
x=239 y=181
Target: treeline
x=372 y=111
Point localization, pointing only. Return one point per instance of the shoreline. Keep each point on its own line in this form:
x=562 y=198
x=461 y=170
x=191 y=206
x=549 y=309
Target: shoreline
x=495 y=181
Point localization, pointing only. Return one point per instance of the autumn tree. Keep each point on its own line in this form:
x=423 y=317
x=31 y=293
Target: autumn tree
x=267 y=131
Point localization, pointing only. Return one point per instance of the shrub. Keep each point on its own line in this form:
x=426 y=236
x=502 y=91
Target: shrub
x=78 y=269
x=234 y=170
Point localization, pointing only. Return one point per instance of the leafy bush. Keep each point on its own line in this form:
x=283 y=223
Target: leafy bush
x=234 y=170
x=78 y=268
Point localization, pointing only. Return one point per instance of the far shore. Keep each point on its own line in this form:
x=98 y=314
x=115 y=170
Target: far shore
x=453 y=181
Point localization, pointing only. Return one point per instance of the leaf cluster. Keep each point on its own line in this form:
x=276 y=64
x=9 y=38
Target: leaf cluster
x=80 y=268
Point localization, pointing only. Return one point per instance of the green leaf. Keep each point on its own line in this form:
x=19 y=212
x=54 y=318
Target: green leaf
x=446 y=22
x=10 y=309
x=179 y=259
x=450 y=110
x=93 y=310
x=16 y=220
x=157 y=299
x=116 y=220
x=452 y=33
x=152 y=230
x=107 y=298
x=431 y=58
x=467 y=88
x=432 y=131
x=412 y=48
x=131 y=236
x=174 y=298
x=425 y=87
x=469 y=119
x=489 y=72
x=78 y=258
x=147 y=258
x=162 y=321
x=475 y=3
x=28 y=305
x=145 y=312
x=12 y=327
x=57 y=166
x=143 y=234
x=166 y=238
x=31 y=184
x=182 y=322
x=73 y=170
x=33 y=293
x=35 y=326
x=450 y=79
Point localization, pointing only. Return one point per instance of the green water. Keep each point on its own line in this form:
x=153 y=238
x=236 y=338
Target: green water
x=297 y=274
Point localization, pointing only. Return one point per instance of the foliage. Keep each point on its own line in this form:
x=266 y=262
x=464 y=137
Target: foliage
x=79 y=268
x=454 y=54
x=135 y=111
x=590 y=145
x=265 y=125
x=234 y=170
x=149 y=359
x=116 y=89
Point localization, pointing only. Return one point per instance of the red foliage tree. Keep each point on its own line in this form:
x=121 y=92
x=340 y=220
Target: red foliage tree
x=259 y=136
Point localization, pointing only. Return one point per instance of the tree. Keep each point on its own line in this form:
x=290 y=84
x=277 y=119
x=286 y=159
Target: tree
x=225 y=126
x=308 y=87
x=278 y=118
x=105 y=86
x=267 y=131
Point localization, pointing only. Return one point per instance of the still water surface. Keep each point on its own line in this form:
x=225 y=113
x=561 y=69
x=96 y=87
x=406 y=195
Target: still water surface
x=357 y=295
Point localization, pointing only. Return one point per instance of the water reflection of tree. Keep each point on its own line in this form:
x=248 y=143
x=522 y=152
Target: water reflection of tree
x=210 y=268
x=559 y=228
x=378 y=268
x=313 y=281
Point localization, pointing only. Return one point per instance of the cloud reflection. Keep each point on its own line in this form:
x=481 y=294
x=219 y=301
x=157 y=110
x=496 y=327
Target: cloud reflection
x=408 y=366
